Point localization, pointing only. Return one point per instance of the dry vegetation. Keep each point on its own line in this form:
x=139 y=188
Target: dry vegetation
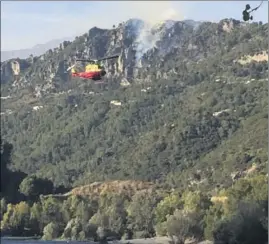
x=259 y=57
x=128 y=187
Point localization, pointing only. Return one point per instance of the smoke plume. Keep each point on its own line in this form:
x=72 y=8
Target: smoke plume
x=152 y=13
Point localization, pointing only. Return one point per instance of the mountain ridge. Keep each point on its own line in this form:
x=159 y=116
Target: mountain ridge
x=36 y=50
x=126 y=63
x=175 y=137
x=137 y=104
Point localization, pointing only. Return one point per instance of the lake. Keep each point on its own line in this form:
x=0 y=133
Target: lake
x=18 y=241
x=156 y=240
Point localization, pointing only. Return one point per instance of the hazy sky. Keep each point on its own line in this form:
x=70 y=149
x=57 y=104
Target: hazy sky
x=27 y=23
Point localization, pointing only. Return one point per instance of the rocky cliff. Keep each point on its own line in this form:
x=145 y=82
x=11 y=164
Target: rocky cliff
x=144 y=52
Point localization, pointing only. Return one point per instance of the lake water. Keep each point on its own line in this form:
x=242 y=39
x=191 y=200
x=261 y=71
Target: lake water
x=158 y=240
x=8 y=241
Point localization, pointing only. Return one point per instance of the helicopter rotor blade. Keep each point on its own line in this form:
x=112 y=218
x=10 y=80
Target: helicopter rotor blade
x=87 y=60
x=97 y=60
x=107 y=58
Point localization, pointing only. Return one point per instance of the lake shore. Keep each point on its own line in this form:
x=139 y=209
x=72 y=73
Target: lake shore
x=154 y=240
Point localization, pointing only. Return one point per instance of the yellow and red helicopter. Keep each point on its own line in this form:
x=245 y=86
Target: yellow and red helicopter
x=93 y=71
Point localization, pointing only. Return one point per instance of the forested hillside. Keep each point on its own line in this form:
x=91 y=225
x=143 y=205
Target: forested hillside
x=186 y=122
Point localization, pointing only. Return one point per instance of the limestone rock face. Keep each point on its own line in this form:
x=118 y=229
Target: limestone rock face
x=137 y=44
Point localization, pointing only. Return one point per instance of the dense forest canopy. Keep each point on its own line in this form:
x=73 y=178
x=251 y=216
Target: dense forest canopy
x=183 y=144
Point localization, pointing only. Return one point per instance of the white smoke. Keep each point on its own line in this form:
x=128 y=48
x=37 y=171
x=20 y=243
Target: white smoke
x=153 y=13
x=146 y=40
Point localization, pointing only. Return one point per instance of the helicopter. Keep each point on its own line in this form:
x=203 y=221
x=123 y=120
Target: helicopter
x=93 y=70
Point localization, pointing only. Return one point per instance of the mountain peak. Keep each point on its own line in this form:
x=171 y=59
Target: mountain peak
x=36 y=50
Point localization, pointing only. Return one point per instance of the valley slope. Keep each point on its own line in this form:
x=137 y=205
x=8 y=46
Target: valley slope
x=191 y=113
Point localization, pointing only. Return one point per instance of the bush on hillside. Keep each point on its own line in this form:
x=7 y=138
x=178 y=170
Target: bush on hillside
x=246 y=226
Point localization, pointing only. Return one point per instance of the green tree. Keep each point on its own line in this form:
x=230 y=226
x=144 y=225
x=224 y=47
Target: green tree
x=254 y=188
x=244 y=227
x=9 y=180
x=111 y=214
x=33 y=187
x=3 y=205
x=196 y=201
x=183 y=225
x=51 y=231
x=16 y=219
x=213 y=216
x=167 y=206
x=141 y=213
x=36 y=218
x=52 y=212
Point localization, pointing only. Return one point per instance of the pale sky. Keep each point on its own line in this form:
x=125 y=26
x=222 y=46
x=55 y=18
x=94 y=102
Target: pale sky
x=25 y=24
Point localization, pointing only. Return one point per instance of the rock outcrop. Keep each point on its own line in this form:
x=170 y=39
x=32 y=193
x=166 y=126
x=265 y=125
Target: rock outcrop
x=142 y=48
